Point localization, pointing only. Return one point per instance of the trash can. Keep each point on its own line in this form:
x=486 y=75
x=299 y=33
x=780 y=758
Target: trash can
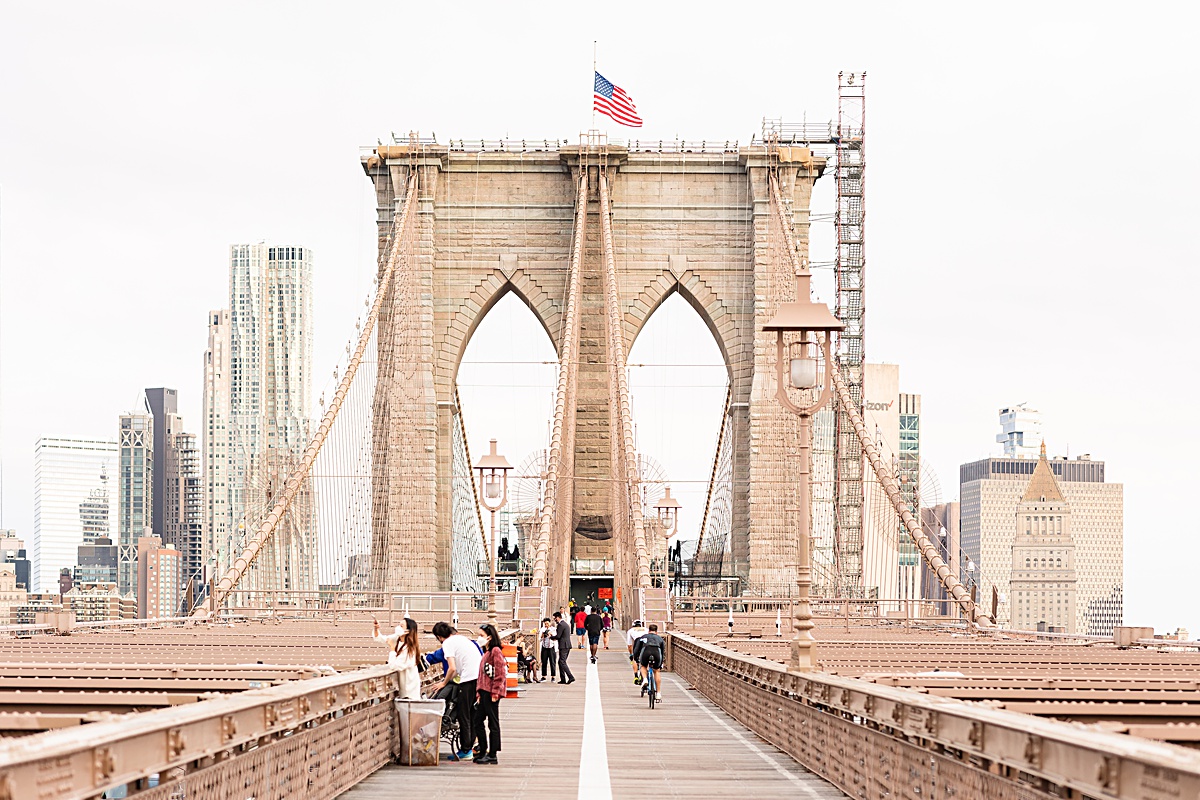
x=419 y=725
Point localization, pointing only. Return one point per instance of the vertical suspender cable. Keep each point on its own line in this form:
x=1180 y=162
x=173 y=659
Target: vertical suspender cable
x=403 y=227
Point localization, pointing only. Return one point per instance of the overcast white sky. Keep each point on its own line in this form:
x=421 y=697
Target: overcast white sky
x=1032 y=174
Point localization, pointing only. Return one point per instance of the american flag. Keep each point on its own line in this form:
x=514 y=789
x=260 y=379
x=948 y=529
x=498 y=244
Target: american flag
x=612 y=101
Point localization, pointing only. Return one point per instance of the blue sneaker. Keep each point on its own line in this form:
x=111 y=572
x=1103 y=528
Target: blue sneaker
x=465 y=755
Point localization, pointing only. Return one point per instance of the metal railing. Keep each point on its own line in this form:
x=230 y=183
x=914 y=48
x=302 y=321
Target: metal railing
x=879 y=741
x=303 y=739
x=450 y=602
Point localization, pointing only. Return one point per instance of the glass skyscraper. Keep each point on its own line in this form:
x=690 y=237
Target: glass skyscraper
x=72 y=503
x=135 y=495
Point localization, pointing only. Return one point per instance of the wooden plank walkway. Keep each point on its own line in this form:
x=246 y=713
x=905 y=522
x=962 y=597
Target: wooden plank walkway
x=685 y=747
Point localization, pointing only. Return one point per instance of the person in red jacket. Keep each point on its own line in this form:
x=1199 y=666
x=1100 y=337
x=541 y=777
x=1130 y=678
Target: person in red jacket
x=492 y=685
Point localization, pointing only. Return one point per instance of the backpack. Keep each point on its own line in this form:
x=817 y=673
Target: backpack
x=638 y=646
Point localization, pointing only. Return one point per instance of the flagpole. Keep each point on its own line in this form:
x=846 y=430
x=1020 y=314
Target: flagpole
x=594 y=83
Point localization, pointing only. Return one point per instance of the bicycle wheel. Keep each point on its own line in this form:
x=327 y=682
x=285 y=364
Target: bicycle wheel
x=652 y=680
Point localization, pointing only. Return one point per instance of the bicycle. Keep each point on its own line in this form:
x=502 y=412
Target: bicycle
x=650 y=687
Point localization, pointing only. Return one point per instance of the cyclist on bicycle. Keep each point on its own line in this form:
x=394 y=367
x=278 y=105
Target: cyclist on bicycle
x=649 y=650
x=635 y=633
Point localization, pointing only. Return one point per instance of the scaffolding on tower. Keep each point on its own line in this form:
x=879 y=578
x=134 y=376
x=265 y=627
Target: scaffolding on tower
x=849 y=224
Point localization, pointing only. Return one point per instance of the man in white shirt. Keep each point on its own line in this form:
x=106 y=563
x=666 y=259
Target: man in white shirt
x=636 y=632
x=462 y=668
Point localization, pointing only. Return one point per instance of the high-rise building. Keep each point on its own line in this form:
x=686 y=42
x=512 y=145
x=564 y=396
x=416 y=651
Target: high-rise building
x=135 y=494
x=1020 y=431
x=96 y=562
x=216 y=449
x=164 y=407
x=941 y=524
x=178 y=497
x=71 y=502
x=270 y=357
x=187 y=532
x=891 y=562
x=158 y=568
x=1042 y=587
x=991 y=491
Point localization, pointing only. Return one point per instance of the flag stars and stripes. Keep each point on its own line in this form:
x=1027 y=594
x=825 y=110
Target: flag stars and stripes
x=611 y=101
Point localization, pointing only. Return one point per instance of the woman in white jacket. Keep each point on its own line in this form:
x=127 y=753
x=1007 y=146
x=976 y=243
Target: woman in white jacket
x=403 y=654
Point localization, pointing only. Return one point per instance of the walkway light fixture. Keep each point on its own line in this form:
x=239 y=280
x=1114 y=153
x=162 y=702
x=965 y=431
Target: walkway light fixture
x=801 y=328
x=493 y=489
x=668 y=516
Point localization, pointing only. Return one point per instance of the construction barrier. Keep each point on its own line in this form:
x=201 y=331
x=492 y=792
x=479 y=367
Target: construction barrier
x=510 y=656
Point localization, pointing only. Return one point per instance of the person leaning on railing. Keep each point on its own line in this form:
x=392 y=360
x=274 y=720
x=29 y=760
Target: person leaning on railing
x=404 y=653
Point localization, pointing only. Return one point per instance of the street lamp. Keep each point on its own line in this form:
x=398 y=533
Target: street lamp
x=668 y=515
x=803 y=372
x=493 y=490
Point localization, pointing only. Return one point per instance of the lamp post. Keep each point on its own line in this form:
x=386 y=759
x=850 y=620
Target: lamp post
x=804 y=318
x=668 y=516
x=493 y=495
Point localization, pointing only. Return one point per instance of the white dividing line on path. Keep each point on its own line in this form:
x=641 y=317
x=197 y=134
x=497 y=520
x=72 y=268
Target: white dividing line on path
x=687 y=692
x=594 y=782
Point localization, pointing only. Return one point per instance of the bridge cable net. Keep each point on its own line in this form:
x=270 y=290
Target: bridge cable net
x=348 y=459
x=863 y=440
x=469 y=548
x=716 y=524
x=625 y=460
x=891 y=486
x=559 y=461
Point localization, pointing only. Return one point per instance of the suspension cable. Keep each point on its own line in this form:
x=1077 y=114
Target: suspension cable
x=892 y=487
x=402 y=228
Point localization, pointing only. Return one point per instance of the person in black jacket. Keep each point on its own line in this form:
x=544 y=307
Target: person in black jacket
x=594 y=624
x=562 y=635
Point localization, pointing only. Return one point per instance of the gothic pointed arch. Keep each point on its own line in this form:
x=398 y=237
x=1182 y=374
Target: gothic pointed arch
x=700 y=296
x=482 y=298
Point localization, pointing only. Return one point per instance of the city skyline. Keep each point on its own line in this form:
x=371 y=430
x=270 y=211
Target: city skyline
x=983 y=341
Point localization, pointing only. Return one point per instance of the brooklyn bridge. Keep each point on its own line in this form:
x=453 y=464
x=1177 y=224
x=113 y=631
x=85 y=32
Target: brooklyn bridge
x=785 y=675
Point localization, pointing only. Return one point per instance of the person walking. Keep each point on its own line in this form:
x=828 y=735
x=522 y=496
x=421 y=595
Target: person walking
x=606 y=628
x=580 y=617
x=594 y=624
x=404 y=653
x=562 y=635
x=493 y=683
x=549 y=651
x=462 y=668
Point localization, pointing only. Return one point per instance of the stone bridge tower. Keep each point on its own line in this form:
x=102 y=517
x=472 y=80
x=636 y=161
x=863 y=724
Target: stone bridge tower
x=492 y=221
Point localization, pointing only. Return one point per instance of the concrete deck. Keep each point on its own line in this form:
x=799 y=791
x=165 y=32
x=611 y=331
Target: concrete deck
x=596 y=738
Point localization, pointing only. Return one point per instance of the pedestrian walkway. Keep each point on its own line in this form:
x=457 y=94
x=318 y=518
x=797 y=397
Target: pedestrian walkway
x=596 y=738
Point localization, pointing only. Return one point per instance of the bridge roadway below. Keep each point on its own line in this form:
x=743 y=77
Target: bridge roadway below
x=596 y=738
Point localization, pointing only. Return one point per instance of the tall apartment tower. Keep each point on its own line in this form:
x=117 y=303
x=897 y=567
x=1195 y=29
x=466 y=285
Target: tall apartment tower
x=216 y=450
x=135 y=494
x=71 y=503
x=178 y=497
x=164 y=405
x=1042 y=589
x=270 y=388
x=991 y=492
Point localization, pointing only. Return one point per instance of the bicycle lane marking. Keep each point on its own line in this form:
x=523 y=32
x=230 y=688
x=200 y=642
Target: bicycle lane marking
x=800 y=784
x=594 y=780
